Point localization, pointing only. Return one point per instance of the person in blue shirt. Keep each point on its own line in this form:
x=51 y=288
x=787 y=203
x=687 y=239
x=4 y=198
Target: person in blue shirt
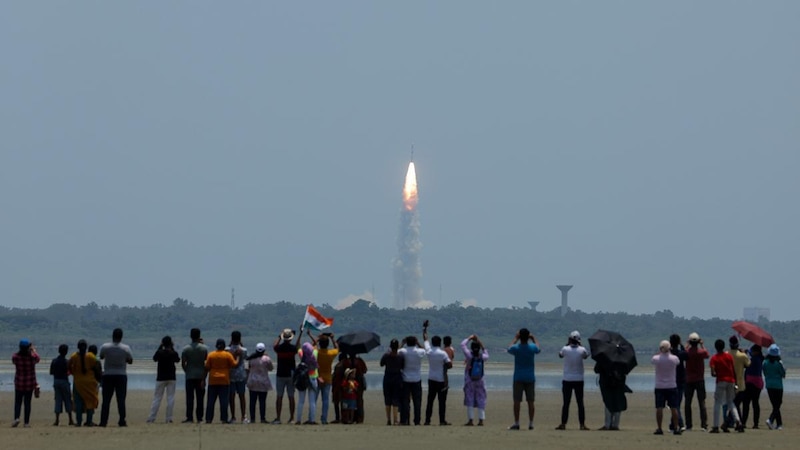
x=524 y=347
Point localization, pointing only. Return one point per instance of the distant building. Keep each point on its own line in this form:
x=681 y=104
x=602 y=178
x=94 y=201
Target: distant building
x=533 y=305
x=754 y=314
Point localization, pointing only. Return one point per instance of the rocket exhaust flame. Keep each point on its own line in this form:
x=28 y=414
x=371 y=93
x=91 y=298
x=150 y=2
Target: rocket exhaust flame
x=406 y=265
x=410 y=188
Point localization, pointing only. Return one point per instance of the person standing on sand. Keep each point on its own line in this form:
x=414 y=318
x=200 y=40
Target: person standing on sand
x=573 y=355
x=721 y=365
x=286 y=352
x=308 y=356
x=83 y=365
x=677 y=349
x=25 y=384
x=740 y=362
x=325 y=358
x=438 y=363
x=666 y=388
x=475 y=356
x=117 y=356
x=59 y=369
x=193 y=362
x=258 y=367
x=524 y=374
x=695 y=380
x=754 y=383
x=165 y=358
x=774 y=373
x=218 y=368
x=412 y=378
x=238 y=377
x=392 y=382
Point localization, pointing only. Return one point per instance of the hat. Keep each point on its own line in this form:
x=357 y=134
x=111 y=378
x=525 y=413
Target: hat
x=575 y=335
x=220 y=344
x=774 y=350
x=260 y=347
x=733 y=341
x=664 y=346
x=287 y=334
x=694 y=337
x=24 y=343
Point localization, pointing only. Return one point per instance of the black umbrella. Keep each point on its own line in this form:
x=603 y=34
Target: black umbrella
x=358 y=342
x=609 y=348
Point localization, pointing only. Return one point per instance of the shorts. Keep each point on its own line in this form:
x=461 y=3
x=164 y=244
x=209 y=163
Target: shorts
x=666 y=397
x=284 y=383
x=350 y=404
x=528 y=387
x=238 y=387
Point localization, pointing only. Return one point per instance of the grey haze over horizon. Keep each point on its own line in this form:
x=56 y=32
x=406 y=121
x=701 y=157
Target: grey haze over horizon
x=646 y=153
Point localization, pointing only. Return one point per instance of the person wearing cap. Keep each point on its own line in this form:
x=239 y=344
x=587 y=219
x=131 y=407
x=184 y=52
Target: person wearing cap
x=573 y=355
x=286 y=352
x=24 y=361
x=666 y=387
x=193 y=363
x=165 y=358
x=524 y=373
x=117 y=356
x=259 y=365
x=774 y=373
x=218 y=369
x=741 y=361
x=696 y=354
x=721 y=365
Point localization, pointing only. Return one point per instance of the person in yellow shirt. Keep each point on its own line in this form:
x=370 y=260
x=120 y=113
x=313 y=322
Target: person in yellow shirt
x=740 y=362
x=218 y=366
x=325 y=358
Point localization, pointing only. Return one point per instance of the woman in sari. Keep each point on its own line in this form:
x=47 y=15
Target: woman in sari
x=83 y=366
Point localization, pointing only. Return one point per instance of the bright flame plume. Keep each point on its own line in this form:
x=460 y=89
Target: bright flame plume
x=410 y=188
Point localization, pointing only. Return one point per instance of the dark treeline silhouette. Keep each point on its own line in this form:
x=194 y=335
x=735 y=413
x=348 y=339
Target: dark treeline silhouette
x=145 y=325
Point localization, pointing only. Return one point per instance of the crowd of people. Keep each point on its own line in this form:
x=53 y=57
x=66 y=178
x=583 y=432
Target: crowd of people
x=317 y=369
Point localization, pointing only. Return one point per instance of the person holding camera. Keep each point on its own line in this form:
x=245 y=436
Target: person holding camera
x=412 y=355
x=696 y=355
x=25 y=384
x=165 y=357
x=524 y=353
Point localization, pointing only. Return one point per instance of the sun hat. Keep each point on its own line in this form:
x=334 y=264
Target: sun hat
x=664 y=346
x=575 y=335
x=260 y=347
x=287 y=334
x=694 y=337
x=774 y=350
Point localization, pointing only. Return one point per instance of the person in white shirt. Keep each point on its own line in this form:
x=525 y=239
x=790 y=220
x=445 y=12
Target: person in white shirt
x=438 y=363
x=412 y=355
x=573 y=354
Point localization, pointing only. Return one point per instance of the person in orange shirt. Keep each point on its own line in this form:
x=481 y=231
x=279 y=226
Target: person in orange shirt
x=218 y=366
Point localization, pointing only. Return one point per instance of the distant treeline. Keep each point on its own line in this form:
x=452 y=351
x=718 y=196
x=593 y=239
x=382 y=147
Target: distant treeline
x=144 y=326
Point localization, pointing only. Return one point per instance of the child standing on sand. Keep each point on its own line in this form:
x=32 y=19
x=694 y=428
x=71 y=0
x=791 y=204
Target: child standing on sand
x=349 y=396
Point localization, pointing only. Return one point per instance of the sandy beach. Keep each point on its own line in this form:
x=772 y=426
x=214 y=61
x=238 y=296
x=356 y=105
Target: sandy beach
x=637 y=426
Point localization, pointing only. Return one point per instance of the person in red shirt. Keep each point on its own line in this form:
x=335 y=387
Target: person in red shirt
x=24 y=380
x=721 y=365
x=695 y=380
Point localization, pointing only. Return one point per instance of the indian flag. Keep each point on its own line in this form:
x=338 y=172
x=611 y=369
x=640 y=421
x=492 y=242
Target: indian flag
x=316 y=320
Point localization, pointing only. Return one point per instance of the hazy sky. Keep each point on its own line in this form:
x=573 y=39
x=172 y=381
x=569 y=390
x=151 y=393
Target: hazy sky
x=646 y=152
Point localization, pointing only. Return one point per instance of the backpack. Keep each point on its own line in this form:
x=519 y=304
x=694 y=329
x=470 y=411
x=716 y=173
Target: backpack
x=300 y=378
x=475 y=368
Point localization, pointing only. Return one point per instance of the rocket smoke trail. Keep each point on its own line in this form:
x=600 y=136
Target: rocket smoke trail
x=406 y=265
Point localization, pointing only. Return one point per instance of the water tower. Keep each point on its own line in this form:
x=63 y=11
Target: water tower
x=533 y=305
x=564 y=288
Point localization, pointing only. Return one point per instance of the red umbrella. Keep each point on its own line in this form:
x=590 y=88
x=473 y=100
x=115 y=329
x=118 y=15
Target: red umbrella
x=753 y=333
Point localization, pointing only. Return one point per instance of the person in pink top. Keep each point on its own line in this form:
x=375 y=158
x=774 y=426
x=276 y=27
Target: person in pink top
x=695 y=380
x=666 y=391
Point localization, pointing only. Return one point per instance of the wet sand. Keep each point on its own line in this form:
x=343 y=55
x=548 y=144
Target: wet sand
x=637 y=426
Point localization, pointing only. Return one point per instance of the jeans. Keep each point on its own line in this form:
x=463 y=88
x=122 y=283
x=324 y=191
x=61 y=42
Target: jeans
x=311 y=392
x=114 y=384
x=700 y=388
x=776 y=399
x=436 y=388
x=325 y=393
x=566 y=392
x=412 y=392
x=162 y=386
x=19 y=398
x=217 y=391
x=194 y=390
